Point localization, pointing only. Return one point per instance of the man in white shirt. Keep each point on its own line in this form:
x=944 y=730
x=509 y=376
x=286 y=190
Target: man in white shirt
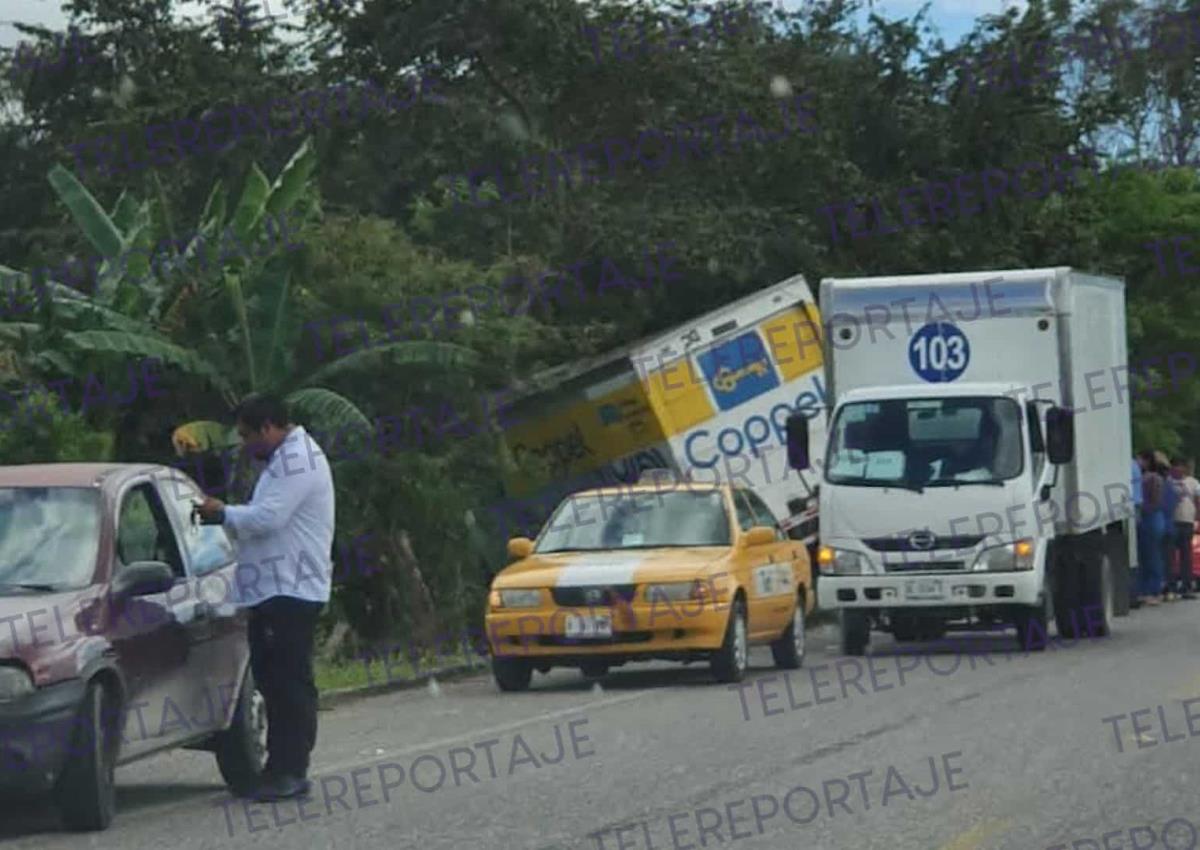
x=285 y=539
x=1188 y=490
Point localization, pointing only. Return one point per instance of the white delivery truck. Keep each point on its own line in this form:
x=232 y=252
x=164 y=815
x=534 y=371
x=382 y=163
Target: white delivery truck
x=977 y=467
x=709 y=399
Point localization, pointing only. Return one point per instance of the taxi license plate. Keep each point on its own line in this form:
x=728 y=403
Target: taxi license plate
x=924 y=588
x=589 y=625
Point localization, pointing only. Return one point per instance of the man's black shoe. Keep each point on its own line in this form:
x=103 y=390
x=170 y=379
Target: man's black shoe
x=281 y=788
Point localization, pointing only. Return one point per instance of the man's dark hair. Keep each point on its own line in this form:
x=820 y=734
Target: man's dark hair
x=259 y=409
x=1147 y=455
x=1179 y=461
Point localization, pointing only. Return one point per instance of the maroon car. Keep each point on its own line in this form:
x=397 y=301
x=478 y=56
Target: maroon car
x=114 y=604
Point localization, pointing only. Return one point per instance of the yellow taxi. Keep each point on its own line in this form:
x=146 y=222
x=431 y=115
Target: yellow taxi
x=682 y=572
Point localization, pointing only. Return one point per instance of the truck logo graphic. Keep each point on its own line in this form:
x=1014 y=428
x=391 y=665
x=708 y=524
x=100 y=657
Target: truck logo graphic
x=922 y=540
x=738 y=370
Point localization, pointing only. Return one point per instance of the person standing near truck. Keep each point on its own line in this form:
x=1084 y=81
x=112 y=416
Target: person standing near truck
x=1184 y=523
x=1135 y=578
x=1151 y=531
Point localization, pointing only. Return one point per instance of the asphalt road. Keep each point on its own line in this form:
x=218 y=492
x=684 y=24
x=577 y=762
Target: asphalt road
x=1022 y=757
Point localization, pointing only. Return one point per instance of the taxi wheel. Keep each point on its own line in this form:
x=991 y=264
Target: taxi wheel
x=512 y=674
x=788 y=650
x=730 y=661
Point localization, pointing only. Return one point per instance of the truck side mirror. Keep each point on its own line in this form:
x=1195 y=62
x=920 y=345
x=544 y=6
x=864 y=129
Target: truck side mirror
x=797 y=441
x=1060 y=434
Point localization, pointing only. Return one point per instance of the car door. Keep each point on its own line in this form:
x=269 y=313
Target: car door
x=151 y=632
x=784 y=578
x=220 y=644
x=749 y=564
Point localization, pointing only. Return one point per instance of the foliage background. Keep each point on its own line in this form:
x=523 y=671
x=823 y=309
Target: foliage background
x=378 y=222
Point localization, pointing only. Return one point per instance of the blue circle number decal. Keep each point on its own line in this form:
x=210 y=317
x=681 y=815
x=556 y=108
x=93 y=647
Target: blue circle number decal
x=939 y=352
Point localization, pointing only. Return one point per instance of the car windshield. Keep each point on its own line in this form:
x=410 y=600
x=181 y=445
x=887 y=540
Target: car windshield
x=637 y=521
x=917 y=443
x=49 y=537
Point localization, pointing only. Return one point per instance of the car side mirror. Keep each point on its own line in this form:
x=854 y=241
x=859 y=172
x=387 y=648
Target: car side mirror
x=520 y=547
x=797 y=441
x=1060 y=434
x=142 y=578
x=759 y=535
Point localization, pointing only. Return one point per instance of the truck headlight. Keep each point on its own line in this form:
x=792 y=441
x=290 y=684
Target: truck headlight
x=841 y=562
x=515 y=598
x=1008 y=557
x=14 y=683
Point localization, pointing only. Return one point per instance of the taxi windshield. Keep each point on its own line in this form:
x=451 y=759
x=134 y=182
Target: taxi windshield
x=636 y=521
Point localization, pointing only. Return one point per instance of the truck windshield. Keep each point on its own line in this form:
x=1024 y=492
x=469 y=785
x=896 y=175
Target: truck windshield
x=930 y=442
x=637 y=521
x=49 y=537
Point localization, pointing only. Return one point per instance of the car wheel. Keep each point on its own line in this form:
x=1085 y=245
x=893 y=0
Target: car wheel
x=512 y=674
x=241 y=749
x=1033 y=622
x=856 y=632
x=788 y=649
x=1068 y=595
x=594 y=669
x=730 y=661
x=86 y=790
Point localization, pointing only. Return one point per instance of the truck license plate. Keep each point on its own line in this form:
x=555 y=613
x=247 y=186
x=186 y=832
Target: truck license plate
x=589 y=625
x=924 y=588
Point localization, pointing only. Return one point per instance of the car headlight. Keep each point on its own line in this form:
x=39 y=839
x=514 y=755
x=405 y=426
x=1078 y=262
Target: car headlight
x=516 y=598
x=676 y=591
x=14 y=683
x=841 y=562
x=1017 y=555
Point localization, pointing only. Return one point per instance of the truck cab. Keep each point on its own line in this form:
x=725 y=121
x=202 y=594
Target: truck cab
x=953 y=491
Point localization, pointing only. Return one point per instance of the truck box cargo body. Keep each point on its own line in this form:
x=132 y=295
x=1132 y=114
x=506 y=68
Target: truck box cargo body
x=708 y=399
x=941 y=506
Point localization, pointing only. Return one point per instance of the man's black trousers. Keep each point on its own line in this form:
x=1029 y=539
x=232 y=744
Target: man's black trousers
x=282 y=630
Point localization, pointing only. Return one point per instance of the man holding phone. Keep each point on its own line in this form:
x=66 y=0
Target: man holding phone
x=287 y=525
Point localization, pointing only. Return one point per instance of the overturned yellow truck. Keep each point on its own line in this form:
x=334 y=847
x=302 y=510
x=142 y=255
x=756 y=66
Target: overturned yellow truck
x=708 y=400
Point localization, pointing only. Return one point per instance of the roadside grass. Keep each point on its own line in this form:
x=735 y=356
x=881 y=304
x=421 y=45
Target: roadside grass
x=337 y=675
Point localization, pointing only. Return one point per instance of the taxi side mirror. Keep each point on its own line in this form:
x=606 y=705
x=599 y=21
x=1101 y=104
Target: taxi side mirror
x=759 y=535
x=520 y=547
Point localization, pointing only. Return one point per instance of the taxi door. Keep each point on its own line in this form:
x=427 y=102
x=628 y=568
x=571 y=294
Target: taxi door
x=769 y=580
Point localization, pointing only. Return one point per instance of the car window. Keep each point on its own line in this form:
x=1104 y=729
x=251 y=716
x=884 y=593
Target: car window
x=208 y=546
x=762 y=513
x=642 y=520
x=745 y=516
x=143 y=532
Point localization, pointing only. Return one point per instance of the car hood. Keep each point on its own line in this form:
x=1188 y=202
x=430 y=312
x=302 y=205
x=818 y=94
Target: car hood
x=855 y=513
x=38 y=622
x=619 y=566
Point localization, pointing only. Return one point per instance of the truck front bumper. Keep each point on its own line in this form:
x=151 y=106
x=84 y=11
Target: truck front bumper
x=927 y=590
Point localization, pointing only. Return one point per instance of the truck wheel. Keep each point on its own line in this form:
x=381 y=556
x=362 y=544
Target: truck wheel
x=788 y=649
x=512 y=674
x=86 y=790
x=729 y=662
x=241 y=750
x=1033 y=621
x=1067 y=594
x=856 y=632
x=1099 y=595
x=930 y=628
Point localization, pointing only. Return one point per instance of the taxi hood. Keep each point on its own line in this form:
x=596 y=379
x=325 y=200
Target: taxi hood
x=612 y=566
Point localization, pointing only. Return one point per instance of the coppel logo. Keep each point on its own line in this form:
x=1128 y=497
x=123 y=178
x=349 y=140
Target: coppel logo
x=939 y=352
x=738 y=370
